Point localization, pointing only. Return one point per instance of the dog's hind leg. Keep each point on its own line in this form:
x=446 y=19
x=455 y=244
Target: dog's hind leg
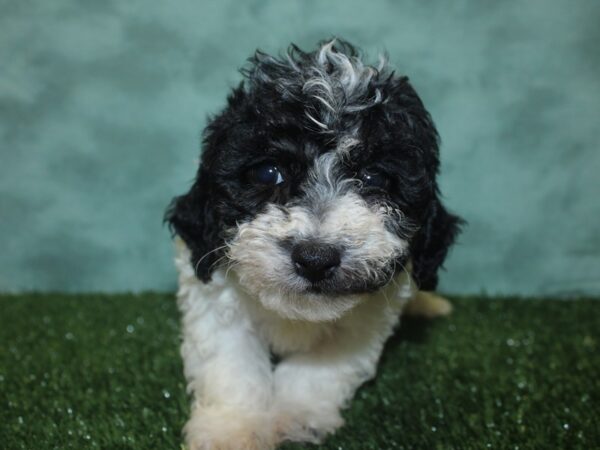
x=428 y=304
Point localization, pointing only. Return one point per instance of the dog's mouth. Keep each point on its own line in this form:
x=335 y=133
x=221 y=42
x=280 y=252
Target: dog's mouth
x=344 y=285
x=338 y=290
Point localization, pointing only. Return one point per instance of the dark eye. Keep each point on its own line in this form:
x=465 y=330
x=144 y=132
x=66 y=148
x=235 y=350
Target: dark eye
x=371 y=178
x=267 y=173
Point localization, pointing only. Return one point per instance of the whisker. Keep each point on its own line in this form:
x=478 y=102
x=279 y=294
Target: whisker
x=229 y=267
x=218 y=260
x=206 y=254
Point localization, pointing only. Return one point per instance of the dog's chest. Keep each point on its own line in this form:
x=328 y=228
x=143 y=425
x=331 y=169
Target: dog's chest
x=285 y=336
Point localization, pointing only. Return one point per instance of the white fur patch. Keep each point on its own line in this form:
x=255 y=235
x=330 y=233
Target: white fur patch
x=238 y=397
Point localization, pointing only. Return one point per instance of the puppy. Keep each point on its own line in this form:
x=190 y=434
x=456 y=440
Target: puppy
x=313 y=220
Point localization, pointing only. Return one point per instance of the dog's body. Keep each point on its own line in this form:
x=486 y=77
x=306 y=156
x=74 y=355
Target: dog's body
x=313 y=221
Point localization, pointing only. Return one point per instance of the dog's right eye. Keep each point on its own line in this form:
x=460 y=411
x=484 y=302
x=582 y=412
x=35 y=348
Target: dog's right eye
x=267 y=174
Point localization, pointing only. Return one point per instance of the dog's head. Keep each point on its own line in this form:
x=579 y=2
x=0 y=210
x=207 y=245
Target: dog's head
x=317 y=184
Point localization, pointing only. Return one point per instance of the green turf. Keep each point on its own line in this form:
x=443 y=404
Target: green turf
x=97 y=371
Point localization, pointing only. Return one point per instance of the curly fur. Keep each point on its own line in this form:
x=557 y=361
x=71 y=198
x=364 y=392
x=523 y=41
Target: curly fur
x=322 y=118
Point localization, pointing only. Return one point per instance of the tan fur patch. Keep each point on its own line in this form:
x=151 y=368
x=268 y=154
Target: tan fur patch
x=428 y=305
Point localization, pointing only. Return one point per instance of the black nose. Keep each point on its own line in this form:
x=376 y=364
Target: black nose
x=315 y=261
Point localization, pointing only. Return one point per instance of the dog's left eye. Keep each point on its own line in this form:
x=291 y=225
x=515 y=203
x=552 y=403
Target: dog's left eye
x=268 y=174
x=374 y=179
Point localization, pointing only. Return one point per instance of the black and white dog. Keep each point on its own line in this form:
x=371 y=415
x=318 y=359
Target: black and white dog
x=314 y=219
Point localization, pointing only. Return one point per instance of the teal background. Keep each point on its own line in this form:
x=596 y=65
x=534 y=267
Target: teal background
x=102 y=104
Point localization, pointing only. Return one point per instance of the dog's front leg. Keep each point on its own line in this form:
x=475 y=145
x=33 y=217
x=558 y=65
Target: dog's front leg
x=312 y=387
x=229 y=375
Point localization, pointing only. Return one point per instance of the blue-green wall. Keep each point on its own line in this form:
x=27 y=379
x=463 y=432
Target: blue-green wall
x=102 y=103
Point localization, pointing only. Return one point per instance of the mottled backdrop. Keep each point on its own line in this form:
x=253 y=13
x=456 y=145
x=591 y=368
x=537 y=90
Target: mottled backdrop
x=102 y=103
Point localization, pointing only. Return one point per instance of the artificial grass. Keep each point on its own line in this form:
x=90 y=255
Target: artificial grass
x=99 y=371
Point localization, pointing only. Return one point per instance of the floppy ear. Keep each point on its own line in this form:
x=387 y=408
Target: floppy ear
x=194 y=219
x=431 y=244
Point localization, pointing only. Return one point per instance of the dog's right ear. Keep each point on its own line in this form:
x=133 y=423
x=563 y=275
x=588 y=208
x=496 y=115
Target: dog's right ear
x=193 y=218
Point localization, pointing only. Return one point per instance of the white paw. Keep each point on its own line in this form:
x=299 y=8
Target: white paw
x=228 y=429
x=306 y=426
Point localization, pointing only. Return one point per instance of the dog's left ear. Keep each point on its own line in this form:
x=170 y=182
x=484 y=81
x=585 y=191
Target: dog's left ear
x=431 y=244
x=439 y=228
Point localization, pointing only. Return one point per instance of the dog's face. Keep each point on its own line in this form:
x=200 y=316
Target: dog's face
x=317 y=185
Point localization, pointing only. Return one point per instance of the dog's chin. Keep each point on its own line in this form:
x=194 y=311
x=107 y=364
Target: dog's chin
x=315 y=302
x=308 y=306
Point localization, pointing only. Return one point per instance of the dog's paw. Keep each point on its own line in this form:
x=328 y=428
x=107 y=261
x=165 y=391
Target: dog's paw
x=228 y=429
x=293 y=425
x=428 y=305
